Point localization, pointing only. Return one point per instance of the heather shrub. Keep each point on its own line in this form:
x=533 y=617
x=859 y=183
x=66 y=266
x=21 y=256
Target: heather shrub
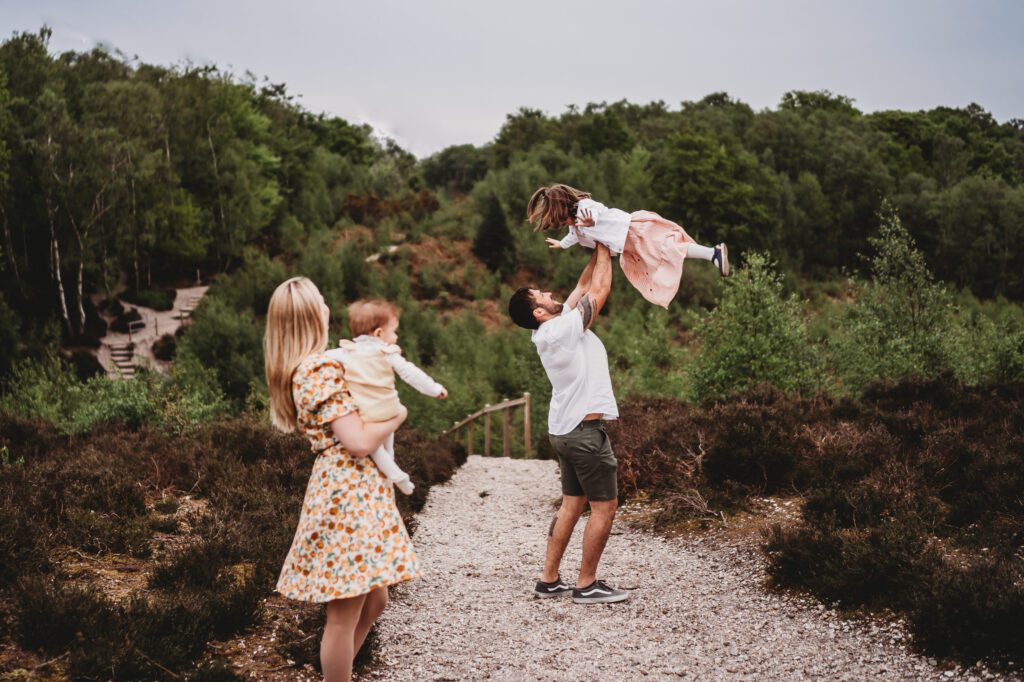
x=759 y=443
x=88 y=493
x=144 y=638
x=914 y=503
x=755 y=335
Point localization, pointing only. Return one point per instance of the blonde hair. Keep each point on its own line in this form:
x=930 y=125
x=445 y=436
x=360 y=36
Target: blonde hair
x=367 y=315
x=553 y=206
x=295 y=330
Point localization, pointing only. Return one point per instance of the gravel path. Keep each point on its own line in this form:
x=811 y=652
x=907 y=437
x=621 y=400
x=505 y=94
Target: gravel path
x=699 y=610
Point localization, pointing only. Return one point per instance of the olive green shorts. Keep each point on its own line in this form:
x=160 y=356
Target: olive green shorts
x=587 y=462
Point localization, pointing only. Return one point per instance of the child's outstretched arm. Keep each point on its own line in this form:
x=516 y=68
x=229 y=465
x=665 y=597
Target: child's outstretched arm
x=566 y=242
x=416 y=377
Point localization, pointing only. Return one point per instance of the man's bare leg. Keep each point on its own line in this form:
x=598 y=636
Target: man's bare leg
x=560 y=532
x=595 y=536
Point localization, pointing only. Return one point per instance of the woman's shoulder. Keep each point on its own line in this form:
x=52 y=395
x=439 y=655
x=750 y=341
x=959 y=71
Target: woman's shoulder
x=321 y=362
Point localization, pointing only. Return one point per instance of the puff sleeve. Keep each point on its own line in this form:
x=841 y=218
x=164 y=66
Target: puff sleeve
x=320 y=392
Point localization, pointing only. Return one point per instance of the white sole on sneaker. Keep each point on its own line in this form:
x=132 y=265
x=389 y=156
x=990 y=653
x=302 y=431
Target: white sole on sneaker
x=725 y=259
x=552 y=595
x=610 y=599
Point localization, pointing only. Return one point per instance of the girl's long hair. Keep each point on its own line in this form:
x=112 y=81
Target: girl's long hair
x=553 y=206
x=295 y=330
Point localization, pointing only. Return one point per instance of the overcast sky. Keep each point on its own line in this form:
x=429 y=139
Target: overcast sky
x=433 y=73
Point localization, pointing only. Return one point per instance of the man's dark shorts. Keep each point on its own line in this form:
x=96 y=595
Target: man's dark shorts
x=587 y=462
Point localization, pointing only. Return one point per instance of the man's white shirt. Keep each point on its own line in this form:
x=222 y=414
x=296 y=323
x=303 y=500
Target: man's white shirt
x=577 y=366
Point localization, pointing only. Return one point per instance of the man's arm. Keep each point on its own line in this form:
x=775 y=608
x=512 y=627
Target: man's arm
x=600 y=285
x=584 y=283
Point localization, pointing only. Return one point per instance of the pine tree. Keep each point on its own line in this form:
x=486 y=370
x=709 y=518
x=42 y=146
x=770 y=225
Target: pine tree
x=494 y=244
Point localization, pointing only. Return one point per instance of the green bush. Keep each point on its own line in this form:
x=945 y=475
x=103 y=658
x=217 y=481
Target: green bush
x=10 y=337
x=755 y=335
x=122 y=321
x=157 y=299
x=48 y=389
x=227 y=343
x=165 y=348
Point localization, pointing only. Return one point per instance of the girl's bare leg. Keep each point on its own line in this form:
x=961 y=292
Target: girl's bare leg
x=337 y=648
x=374 y=605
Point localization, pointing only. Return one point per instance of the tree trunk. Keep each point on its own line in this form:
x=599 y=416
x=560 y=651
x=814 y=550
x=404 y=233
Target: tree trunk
x=220 y=195
x=103 y=269
x=51 y=212
x=10 y=244
x=135 y=225
x=81 y=270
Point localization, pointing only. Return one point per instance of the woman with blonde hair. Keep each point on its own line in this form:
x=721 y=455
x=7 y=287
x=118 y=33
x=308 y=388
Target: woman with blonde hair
x=350 y=544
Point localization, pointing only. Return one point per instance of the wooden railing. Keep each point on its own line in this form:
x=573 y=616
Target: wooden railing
x=506 y=425
x=133 y=327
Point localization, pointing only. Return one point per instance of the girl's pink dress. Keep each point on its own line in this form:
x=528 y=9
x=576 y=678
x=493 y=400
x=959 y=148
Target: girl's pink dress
x=653 y=256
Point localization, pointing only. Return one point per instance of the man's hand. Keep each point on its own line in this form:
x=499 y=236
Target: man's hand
x=443 y=394
x=553 y=243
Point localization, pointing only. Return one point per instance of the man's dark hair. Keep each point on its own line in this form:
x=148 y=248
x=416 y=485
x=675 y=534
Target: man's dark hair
x=520 y=309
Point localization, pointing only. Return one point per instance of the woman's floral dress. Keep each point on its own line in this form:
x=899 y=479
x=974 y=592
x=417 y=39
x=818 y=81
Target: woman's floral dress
x=350 y=538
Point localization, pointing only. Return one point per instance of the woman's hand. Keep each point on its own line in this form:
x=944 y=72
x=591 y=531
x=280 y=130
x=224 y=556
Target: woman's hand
x=553 y=243
x=584 y=219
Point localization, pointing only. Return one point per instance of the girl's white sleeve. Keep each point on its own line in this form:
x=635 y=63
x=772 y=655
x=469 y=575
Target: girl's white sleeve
x=414 y=376
x=596 y=208
x=570 y=240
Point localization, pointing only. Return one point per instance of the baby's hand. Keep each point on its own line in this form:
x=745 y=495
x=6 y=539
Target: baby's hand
x=443 y=394
x=584 y=219
x=553 y=243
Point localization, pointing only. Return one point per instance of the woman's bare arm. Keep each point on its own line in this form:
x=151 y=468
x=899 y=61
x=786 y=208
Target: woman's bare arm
x=361 y=438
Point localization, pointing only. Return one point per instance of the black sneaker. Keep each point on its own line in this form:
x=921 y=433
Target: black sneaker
x=598 y=592
x=545 y=590
x=721 y=259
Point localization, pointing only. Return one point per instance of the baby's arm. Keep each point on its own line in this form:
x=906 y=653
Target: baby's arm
x=416 y=377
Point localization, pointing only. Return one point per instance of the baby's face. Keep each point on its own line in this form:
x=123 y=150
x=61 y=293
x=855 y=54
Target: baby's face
x=389 y=332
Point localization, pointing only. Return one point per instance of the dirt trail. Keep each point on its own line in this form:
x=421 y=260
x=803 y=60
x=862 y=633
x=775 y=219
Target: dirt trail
x=699 y=609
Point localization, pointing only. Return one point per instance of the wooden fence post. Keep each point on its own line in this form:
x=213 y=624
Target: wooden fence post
x=506 y=447
x=487 y=432
x=469 y=438
x=527 y=440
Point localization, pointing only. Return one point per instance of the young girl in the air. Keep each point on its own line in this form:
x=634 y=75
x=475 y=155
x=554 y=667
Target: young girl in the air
x=652 y=248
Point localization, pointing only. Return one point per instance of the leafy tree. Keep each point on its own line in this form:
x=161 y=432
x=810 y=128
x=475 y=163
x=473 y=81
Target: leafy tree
x=901 y=320
x=756 y=334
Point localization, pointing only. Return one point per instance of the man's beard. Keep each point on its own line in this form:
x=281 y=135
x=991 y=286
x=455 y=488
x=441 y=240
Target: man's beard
x=553 y=308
